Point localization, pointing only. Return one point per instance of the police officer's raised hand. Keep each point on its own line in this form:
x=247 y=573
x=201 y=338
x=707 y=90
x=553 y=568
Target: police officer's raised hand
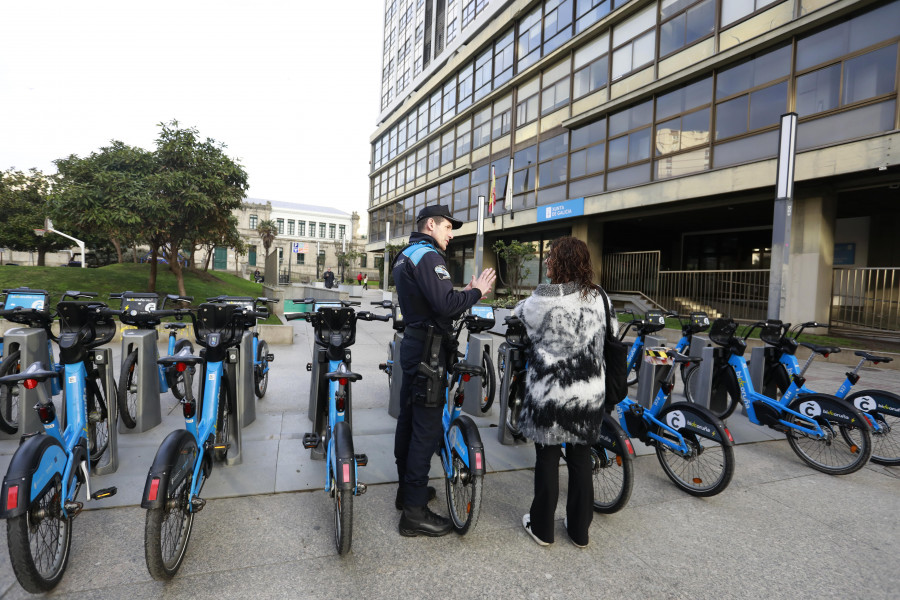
x=484 y=282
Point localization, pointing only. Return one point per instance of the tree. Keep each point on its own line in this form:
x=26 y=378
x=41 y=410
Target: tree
x=197 y=185
x=268 y=231
x=514 y=255
x=346 y=258
x=24 y=205
x=107 y=193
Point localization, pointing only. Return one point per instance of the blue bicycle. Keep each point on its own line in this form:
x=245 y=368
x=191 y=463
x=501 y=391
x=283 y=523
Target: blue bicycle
x=782 y=367
x=261 y=355
x=652 y=322
x=40 y=490
x=826 y=432
x=611 y=457
x=334 y=325
x=184 y=460
x=137 y=312
x=693 y=446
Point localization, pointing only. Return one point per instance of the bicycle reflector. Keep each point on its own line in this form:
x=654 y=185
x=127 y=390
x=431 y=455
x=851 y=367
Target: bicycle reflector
x=30 y=384
x=12 y=497
x=466 y=377
x=154 y=489
x=343 y=381
x=181 y=367
x=339 y=404
x=189 y=408
x=46 y=412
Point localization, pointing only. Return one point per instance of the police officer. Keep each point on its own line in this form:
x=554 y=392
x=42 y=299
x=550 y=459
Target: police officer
x=426 y=297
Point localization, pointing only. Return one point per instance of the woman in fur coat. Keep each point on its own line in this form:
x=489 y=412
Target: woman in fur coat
x=564 y=387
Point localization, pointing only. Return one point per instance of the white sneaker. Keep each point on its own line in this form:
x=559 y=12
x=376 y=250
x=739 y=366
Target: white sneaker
x=526 y=523
x=574 y=543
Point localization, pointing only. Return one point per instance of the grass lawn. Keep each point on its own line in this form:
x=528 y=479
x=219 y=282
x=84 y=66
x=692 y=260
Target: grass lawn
x=127 y=277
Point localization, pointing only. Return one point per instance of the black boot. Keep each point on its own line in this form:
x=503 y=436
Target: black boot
x=419 y=520
x=398 y=502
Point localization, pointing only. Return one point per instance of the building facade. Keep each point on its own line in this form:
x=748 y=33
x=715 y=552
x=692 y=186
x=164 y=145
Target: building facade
x=649 y=128
x=311 y=230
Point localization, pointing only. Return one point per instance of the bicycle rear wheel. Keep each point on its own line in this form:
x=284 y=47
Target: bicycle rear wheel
x=39 y=541
x=613 y=469
x=846 y=446
x=343 y=518
x=883 y=408
x=127 y=393
x=514 y=403
x=709 y=466
x=488 y=382
x=717 y=388
x=176 y=378
x=167 y=529
x=9 y=395
x=463 y=487
x=261 y=372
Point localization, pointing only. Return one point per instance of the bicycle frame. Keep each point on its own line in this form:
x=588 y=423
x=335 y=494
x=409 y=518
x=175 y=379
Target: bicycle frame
x=452 y=410
x=205 y=429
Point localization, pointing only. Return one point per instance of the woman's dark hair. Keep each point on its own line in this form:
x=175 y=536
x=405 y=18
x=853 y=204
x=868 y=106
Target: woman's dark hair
x=571 y=261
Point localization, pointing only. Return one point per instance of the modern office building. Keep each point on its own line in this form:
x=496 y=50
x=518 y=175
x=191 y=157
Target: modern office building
x=649 y=129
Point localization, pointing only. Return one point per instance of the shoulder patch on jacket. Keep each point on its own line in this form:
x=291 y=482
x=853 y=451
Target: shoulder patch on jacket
x=441 y=271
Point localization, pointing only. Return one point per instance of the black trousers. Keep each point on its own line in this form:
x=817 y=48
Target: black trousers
x=580 y=501
x=419 y=430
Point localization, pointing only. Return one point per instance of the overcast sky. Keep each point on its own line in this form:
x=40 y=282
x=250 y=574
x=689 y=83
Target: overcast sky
x=290 y=86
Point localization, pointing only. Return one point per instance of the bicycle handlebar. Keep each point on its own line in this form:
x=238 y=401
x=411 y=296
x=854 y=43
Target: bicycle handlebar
x=369 y=316
x=75 y=295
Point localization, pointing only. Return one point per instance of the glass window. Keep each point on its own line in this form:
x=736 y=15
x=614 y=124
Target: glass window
x=463 y=138
x=503 y=58
x=434 y=154
x=331 y=228
x=588 y=12
x=554 y=146
x=301 y=228
x=588 y=161
x=447 y=148
x=767 y=105
x=733 y=10
x=634 y=55
x=848 y=37
x=527 y=108
x=321 y=230
x=312 y=229
x=754 y=72
x=502 y=117
x=636 y=116
x=342 y=231
x=481 y=128
x=434 y=110
x=254 y=221
x=464 y=89
x=555 y=96
x=591 y=67
x=870 y=75
x=683 y=132
x=280 y=224
x=421 y=161
x=290 y=227
x=483 y=74
x=423 y=119
x=589 y=134
x=818 y=91
x=684 y=99
x=449 y=99
x=845 y=125
x=557 y=23
x=686 y=27
x=529 y=41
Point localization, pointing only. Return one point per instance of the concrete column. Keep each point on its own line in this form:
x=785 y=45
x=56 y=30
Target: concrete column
x=808 y=287
x=590 y=231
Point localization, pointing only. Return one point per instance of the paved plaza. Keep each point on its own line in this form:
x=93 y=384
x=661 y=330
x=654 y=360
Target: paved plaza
x=780 y=530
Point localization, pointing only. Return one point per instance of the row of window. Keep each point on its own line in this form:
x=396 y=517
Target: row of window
x=748 y=96
x=333 y=230
x=662 y=28
x=844 y=86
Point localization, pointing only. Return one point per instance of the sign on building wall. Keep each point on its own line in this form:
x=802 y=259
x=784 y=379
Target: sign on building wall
x=845 y=254
x=298 y=247
x=561 y=210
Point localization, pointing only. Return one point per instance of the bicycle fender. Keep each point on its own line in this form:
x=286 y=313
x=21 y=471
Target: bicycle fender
x=610 y=434
x=345 y=468
x=876 y=401
x=473 y=453
x=35 y=466
x=164 y=461
x=684 y=416
x=822 y=407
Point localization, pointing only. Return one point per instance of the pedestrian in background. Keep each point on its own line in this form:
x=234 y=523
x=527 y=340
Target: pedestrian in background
x=359 y=278
x=365 y=281
x=564 y=387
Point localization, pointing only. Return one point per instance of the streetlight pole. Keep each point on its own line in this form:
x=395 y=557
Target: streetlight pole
x=781 y=223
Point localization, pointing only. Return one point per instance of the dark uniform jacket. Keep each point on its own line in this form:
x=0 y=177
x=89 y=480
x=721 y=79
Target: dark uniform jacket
x=424 y=289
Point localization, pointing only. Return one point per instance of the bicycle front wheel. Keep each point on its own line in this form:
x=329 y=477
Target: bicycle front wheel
x=488 y=382
x=514 y=404
x=97 y=420
x=613 y=469
x=222 y=433
x=846 y=445
x=39 y=541
x=881 y=407
x=261 y=373
x=168 y=528
x=343 y=518
x=9 y=395
x=708 y=466
x=127 y=393
x=463 y=486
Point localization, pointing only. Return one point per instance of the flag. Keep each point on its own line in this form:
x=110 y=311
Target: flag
x=493 y=190
x=509 y=186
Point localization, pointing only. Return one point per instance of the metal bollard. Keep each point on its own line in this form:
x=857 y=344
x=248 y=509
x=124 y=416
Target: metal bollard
x=650 y=375
x=32 y=346
x=234 y=455
x=503 y=434
x=394 y=401
x=246 y=397
x=102 y=357
x=148 y=410
x=472 y=389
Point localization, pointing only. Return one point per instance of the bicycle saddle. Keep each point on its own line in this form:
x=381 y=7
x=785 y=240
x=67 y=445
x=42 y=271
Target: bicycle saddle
x=872 y=357
x=823 y=350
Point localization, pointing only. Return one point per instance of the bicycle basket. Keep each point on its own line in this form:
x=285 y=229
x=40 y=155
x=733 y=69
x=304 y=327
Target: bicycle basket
x=722 y=331
x=771 y=333
x=699 y=322
x=654 y=320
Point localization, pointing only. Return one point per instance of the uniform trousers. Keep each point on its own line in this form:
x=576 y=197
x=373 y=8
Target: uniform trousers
x=580 y=500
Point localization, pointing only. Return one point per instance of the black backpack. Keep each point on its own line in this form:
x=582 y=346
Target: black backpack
x=615 y=353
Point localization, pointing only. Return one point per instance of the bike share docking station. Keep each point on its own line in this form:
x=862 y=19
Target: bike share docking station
x=394 y=402
x=653 y=371
x=479 y=341
x=504 y=436
x=32 y=346
x=147 y=410
x=703 y=392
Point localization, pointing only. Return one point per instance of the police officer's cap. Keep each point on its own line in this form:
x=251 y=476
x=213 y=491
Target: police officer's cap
x=438 y=210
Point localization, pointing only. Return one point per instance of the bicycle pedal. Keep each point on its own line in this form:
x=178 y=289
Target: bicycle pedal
x=361 y=460
x=104 y=493
x=310 y=440
x=270 y=357
x=382 y=366
x=197 y=503
x=73 y=508
x=361 y=488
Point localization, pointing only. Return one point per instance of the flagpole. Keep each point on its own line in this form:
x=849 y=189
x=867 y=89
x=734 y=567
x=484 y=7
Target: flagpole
x=479 y=236
x=508 y=200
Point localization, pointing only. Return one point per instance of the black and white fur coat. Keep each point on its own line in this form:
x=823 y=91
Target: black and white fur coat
x=566 y=381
